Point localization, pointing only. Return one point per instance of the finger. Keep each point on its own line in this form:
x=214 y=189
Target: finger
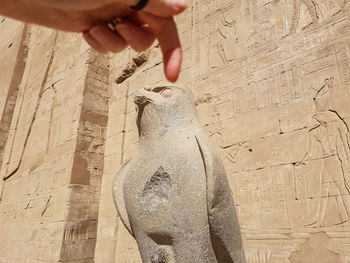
x=165 y=8
x=172 y=63
x=107 y=39
x=162 y=8
x=139 y=38
x=165 y=31
x=93 y=42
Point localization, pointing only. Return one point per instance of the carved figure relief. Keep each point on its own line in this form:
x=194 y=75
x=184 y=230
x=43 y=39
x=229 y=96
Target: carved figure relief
x=227 y=33
x=173 y=196
x=260 y=35
x=329 y=137
x=215 y=132
x=311 y=8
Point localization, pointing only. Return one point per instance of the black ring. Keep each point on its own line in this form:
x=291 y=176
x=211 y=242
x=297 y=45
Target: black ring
x=140 y=5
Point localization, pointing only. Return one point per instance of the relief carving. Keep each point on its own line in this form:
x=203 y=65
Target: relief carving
x=227 y=33
x=260 y=35
x=314 y=10
x=311 y=8
x=328 y=140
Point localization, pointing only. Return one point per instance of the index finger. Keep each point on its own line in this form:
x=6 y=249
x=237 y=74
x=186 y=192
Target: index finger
x=165 y=31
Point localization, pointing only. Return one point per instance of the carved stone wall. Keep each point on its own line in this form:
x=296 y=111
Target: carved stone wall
x=272 y=86
x=54 y=108
x=13 y=54
x=271 y=80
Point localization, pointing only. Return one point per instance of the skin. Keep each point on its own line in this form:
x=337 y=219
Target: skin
x=137 y=29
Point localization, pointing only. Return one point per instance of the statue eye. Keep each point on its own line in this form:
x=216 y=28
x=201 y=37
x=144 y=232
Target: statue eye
x=166 y=93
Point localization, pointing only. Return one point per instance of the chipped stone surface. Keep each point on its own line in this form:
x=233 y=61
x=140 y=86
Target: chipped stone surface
x=271 y=81
x=185 y=208
x=157 y=190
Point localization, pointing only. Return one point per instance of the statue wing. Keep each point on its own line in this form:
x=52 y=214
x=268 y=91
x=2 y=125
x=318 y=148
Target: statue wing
x=224 y=227
x=118 y=195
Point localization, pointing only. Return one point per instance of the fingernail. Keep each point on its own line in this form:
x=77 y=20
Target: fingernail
x=101 y=34
x=92 y=42
x=124 y=31
x=97 y=32
x=172 y=63
x=88 y=38
x=179 y=2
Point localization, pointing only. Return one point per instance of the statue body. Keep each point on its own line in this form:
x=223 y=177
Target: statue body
x=173 y=196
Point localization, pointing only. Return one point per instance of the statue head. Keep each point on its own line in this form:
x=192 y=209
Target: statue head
x=163 y=107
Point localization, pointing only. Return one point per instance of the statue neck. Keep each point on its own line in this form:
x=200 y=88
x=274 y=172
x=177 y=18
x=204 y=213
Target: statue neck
x=169 y=128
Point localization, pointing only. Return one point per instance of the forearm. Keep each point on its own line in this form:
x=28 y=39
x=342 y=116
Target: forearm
x=42 y=15
x=67 y=20
x=9 y=7
x=20 y=10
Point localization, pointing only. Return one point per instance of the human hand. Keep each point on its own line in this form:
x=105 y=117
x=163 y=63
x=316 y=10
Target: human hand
x=137 y=29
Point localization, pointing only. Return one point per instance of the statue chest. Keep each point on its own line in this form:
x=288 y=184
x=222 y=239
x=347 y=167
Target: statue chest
x=169 y=184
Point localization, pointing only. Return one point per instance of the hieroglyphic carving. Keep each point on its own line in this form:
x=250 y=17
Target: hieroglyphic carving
x=316 y=10
x=227 y=31
x=216 y=128
x=311 y=6
x=221 y=108
x=238 y=100
x=269 y=88
x=330 y=135
x=226 y=40
x=284 y=85
x=343 y=58
x=252 y=96
x=261 y=110
x=260 y=35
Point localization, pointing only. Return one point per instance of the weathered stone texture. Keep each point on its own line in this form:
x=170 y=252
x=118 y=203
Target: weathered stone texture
x=271 y=84
x=13 y=52
x=53 y=160
x=271 y=81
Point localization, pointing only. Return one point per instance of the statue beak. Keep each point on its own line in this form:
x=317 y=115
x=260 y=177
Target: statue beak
x=140 y=100
x=139 y=111
x=143 y=97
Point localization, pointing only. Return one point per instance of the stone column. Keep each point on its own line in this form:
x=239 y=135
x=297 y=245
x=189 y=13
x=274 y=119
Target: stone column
x=53 y=158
